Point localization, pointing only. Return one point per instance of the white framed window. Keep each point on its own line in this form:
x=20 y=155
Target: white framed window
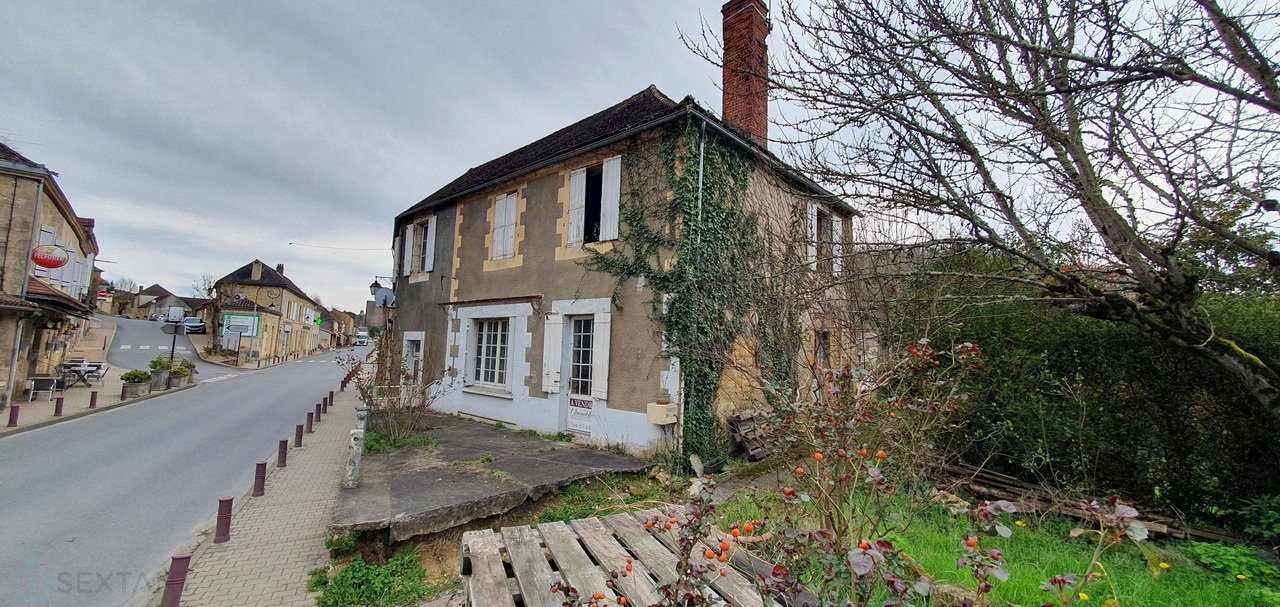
x=489 y=352
x=594 y=195
x=837 y=245
x=427 y=244
x=580 y=347
x=504 y=227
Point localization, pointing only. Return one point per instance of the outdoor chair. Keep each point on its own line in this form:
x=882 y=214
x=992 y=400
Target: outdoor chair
x=45 y=384
x=98 y=373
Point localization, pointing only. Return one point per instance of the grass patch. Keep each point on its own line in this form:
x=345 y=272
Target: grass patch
x=376 y=442
x=402 y=581
x=340 y=546
x=1038 y=551
x=602 y=495
x=559 y=437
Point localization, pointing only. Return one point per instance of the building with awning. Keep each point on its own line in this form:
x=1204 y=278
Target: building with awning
x=47 y=290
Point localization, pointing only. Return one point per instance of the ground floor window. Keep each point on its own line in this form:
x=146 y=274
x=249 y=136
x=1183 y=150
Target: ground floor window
x=490 y=361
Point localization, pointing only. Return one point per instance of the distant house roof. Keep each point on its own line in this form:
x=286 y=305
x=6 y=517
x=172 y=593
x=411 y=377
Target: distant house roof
x=270 y=278
x=8 y=154
x=156 y=290
x=646 y=109
x=195 y=303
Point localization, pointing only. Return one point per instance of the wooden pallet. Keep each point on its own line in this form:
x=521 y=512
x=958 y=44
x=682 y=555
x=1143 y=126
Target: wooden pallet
x=745 y=430
x=518 y=565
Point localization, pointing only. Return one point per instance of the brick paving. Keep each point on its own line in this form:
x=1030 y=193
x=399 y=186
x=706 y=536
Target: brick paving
x=277 y=538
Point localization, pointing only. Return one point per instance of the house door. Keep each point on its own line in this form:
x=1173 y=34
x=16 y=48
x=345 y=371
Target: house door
x=577 y=371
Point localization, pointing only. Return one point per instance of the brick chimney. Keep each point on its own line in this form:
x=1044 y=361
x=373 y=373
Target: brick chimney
x=746 y=67
x=255 y=271
x=280 y=268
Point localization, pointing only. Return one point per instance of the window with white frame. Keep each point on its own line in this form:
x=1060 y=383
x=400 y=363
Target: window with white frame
x=580 y=345
x=504 y=227
x=594 y=195
x=426 y=245
x=489 y=361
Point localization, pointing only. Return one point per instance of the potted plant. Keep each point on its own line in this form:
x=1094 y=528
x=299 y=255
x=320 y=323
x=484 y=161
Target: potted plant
x=134 y=382
x=190 y=366
x=160 y=367
x=181 y=375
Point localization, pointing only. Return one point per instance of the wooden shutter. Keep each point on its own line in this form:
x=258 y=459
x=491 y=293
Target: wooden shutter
x=600 y=356
x=504 y=231
x=552 y=343
x=837 y=244
x=577 y=206
x=812 y=220
x=395 y=256
x=610 y=196
x=406 y=253
x=429 y=245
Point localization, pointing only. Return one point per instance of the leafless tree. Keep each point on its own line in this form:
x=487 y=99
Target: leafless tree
x=1113 y=153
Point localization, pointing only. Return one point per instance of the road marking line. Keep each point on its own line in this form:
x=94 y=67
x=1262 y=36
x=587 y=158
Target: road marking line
x=126 y=347
x=163 y=347
x=144 y=347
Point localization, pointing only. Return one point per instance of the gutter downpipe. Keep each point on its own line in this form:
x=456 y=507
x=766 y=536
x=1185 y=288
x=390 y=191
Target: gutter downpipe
x=17 y=333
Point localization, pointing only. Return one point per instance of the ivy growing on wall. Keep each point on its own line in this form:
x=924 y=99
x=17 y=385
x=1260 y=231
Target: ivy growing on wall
x=698 y=248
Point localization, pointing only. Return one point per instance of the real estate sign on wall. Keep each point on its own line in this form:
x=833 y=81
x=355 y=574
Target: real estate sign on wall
x=580 y=414
x=246 y=324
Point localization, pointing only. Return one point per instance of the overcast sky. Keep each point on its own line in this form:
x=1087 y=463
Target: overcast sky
x=201 y=135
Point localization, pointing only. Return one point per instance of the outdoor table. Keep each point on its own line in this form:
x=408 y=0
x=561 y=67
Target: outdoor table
x=78 y=374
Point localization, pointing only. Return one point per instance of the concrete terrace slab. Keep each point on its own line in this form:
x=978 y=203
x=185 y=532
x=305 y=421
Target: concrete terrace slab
x=422 y=490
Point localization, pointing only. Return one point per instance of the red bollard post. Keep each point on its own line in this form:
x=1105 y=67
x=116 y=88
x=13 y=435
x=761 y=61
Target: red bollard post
x=283 y=455
x=124 y=392
x=317 y=413
x=93 y=399
x=324 y=404
x=13 y=416
x=168 y=383
x=330 y=400
x=310 y=419
x=259 y=479
x=297 y=436
x=222 y=532
x=57 y=407
x=176 y=579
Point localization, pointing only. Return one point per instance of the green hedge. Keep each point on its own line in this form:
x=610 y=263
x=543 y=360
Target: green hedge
x=1096 y=405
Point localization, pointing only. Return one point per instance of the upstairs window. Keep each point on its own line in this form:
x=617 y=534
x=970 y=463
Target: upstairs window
x=826 y=242
x=504 y=227
x=426 y=245
x=594 y=195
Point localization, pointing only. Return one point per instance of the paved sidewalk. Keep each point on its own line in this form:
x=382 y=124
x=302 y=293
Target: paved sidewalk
x=75 y=401
x=277 y=538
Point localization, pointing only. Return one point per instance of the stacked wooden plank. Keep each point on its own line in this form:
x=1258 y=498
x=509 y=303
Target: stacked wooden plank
x=1034 y=498
x=519 y=564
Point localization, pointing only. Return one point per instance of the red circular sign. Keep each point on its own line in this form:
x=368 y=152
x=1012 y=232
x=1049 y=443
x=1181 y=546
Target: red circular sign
x=49 y=256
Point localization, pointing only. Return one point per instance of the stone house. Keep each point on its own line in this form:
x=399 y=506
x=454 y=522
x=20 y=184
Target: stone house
x=46 y=285
x=277 y=315
x=496 y=299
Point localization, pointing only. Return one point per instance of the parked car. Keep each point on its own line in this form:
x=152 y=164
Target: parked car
x=362 y=338
x=193 y=324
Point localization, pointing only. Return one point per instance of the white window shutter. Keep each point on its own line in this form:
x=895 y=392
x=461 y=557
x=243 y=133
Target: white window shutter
x=552 y=343
x=600 y=356
x=812 y=220
x=610 y=197
x=429 y=245
x=837 y=244
x=406 y=253
x=395 y=256
x=577 y=206
x=504 y=231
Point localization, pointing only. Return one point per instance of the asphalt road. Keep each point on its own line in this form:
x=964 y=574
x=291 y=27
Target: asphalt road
x=138 y=341
x=92 y=508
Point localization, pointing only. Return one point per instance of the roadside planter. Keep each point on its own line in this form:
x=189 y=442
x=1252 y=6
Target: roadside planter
x=136 y=383
x=181 y=376
x=160 y=368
